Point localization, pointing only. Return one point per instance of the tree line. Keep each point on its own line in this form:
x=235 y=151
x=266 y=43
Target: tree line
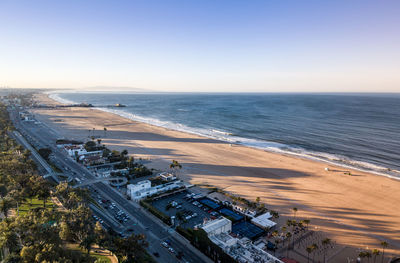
x=42 y=233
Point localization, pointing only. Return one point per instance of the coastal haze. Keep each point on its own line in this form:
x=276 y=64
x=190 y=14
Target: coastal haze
x=280 y=107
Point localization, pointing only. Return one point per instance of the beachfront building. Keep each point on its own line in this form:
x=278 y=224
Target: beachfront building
x=244 y=210
x=75 y=150
x=144 y=189
x=242 y=250
x=217 y=226
x=264 y=221
x=93 y=160
x=167 y=177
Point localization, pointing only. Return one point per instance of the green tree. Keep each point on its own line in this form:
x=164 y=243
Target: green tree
x=131 y=249
x=43 y=191
x=8 y=237
x=5 y=206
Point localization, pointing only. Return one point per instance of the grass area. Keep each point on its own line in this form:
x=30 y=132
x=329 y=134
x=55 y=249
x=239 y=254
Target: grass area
x=26 y=206
x=101 y=257
x=95 y=252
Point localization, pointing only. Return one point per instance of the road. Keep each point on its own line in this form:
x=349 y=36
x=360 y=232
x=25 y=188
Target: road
x=140 y=220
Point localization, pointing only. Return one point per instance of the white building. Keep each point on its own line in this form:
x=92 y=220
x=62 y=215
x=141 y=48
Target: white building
x=264 y=221
x=74 y=150
x=242 y=250
x=144 y=189
x=142 y=185
x=224 y=241
x=217 y=226
x=167 y=176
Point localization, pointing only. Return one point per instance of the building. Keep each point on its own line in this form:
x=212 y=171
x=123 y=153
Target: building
x=93 y=160
x=217 y=226
x=75 y=150
x=224 y=241
x=242 y=250
x=167 y=177
x=142 y=185
x=144 y=189
x=264 y=221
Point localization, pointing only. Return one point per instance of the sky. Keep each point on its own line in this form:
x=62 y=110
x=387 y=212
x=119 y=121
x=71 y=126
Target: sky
x=201 y=46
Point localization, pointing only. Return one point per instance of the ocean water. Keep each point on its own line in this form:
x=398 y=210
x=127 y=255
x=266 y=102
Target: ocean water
x=361 y=131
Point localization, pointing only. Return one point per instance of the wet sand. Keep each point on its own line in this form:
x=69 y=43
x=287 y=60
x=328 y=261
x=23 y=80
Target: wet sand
x=357 y=210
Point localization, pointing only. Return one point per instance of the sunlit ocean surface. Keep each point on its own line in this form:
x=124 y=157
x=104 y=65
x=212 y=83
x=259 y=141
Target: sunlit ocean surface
x=358 y=130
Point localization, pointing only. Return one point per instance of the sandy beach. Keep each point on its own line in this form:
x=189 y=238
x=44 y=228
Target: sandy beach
x=357 y=210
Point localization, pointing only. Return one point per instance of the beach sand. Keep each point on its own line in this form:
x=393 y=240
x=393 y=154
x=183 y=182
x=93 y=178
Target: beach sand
x=357 y=210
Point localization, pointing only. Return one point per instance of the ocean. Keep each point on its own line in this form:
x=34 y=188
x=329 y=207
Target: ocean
x=361 y=131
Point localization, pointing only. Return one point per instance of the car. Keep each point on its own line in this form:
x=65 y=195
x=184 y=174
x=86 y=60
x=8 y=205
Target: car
x=164 y=244
x=156 y=254
x=171 y=250
x=179 y=255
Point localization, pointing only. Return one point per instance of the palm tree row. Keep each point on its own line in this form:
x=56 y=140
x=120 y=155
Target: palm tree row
x=374 y=253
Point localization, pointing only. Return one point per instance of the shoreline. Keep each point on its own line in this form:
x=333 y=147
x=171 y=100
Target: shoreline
x=395 y=175
x=357 y=210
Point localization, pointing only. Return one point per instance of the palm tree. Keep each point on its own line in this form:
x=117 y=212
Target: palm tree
x=325 y=243
x=105 y=132
x=124 y=153
x=274 y=214
x=307 y=222
x=375 y=253
x=384 y=245
x=98 y=141
x=315 y=247
x=294 y=212
x=175 y=165
x=368 y=255
x=362 y=255
x=288 y=235
x=283 y=232
x=309 y=249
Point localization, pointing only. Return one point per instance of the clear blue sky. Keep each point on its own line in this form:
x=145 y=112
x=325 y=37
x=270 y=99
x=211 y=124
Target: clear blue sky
x=202 y=45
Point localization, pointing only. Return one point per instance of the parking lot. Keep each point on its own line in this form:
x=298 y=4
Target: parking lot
x=179 y=203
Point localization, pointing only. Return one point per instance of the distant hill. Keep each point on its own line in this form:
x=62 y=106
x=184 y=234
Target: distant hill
x=116 y=89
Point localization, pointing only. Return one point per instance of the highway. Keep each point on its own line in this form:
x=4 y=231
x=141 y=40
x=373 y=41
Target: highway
x=140 y=220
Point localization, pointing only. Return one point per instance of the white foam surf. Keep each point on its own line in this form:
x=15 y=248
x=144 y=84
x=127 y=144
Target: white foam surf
x=270 y=146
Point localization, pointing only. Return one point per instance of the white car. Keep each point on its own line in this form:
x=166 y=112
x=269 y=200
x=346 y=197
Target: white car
x=164 y=244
